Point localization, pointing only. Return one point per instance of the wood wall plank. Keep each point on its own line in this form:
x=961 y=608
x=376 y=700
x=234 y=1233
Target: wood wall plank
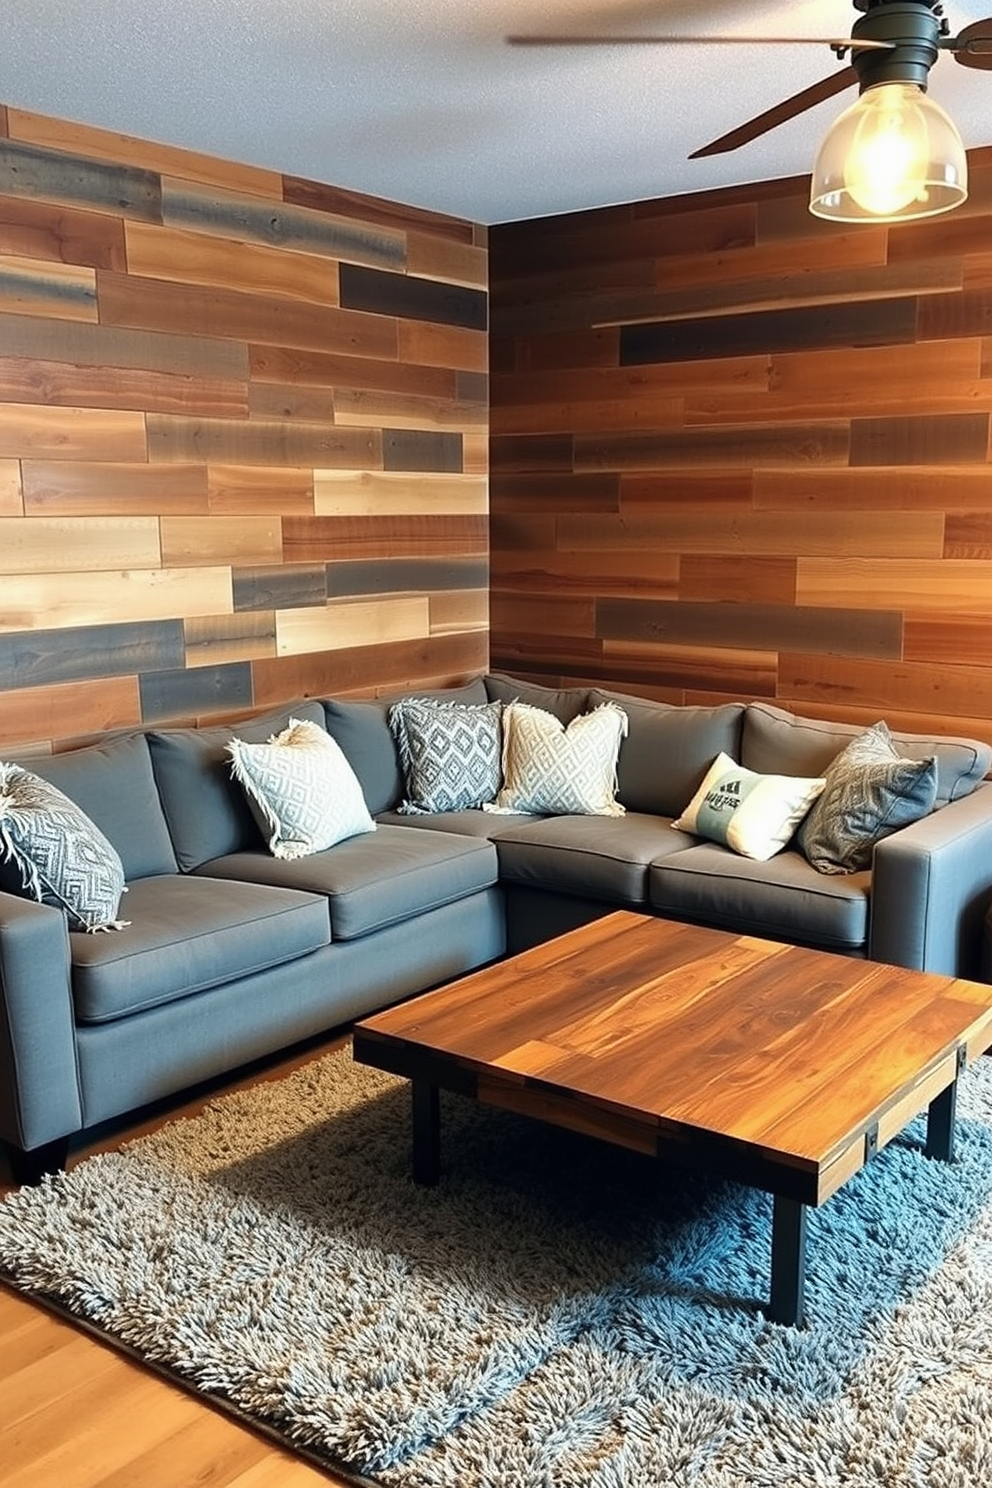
x=11 y=499
x=96 y=488
x=195 y=258
x=177 y=374
x=813 y=523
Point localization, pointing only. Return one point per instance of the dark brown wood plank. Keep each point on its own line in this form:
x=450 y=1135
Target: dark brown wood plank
x=24 y=380
x=321 y=197
x=520 y=454
x=410 y=298
x=362 y=669
x=943 y=317
x=884 y=323
x=824 y=443
x=752 y=580
x=327 y=539
x=555 y=492
x=293 y=366
x=938 y=439
x=969 y=534
x=763 y=627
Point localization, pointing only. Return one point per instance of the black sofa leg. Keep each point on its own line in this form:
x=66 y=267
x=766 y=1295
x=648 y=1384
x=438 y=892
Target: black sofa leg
x=31 y=1166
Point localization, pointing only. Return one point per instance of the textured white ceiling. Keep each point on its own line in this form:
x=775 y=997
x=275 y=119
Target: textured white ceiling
x=421 y=101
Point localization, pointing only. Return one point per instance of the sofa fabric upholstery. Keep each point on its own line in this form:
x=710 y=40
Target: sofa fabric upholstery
x=668 y=750
x=184 y=940
x=596 y=857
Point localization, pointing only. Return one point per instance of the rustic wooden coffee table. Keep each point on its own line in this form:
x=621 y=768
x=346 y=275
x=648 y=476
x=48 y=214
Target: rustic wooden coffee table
x=777 y=1066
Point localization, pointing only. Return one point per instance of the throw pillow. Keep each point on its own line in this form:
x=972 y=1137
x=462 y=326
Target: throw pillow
x=555 y=770
x=753 y=814
x=449 y=753
x=302 y=791
x=61 y=855
x=870 y=791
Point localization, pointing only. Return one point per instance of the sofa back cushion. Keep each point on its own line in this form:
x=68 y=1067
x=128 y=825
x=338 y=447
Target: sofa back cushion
x=668 y=750
x=113 y=783
x=206 y=812
x=361 y=729
x=778 y=742
x=565 y=703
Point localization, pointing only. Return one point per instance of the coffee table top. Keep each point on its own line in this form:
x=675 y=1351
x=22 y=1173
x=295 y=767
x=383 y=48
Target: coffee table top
x=779 y=1065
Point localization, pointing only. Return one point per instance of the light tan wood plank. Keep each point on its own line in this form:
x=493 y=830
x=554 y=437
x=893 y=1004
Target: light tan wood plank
x=347 y=623
x=69 y=599
x=442 y=258
x=260 y=490
x=71 y=433
x=104 y=144
x=443 y=346
x=896 y=584
x=30 y=286
x=212 y=540
x=96 y=488
x=458 y=609
x=199 y=258
x=475 y=452
x=214 y=640
x=37 y=715
x=11 y=500
x=686 y=530
x=50 y=545
x=339 y=493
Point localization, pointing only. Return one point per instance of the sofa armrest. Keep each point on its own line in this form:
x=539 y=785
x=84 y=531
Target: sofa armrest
x=931 y=886
x=39 y=1085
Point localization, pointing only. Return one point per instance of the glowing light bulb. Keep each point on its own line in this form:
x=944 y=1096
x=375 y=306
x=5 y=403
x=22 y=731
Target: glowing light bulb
x=886 y=167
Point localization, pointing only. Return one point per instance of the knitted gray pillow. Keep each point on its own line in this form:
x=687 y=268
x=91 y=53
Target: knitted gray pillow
x=870 y=791
x=62 y=857
x=450 y=753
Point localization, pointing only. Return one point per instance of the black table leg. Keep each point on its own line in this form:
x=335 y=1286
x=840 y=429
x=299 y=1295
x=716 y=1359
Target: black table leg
x=940 y=1124
x=788 y=1262
x=426 y=1132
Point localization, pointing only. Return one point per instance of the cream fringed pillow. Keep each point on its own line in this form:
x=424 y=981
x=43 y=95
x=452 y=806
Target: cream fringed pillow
x=753 y=814
x=301 y=790
x=552 y=770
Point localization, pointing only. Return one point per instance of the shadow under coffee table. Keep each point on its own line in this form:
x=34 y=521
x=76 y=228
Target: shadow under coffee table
x=777 y=1066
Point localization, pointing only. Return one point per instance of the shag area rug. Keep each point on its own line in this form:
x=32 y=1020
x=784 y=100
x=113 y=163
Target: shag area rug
x=554 y=1314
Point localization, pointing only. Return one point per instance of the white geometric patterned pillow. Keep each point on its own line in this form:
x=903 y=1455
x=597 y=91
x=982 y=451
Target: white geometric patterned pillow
x=557 y=771
x=449 y=753
x=301 y=790
x=63 y=858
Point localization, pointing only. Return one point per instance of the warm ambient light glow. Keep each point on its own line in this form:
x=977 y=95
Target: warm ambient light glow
x=892 y=156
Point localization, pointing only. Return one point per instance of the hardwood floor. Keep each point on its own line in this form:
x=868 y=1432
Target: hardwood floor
x=81 y=1415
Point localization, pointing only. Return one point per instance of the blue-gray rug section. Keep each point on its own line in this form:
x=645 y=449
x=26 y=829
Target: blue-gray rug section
x=555 y=1314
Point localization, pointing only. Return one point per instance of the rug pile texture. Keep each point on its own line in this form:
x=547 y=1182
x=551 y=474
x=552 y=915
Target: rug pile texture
x=554 y=1314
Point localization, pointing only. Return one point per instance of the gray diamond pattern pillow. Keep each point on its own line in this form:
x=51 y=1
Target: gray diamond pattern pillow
x=449 y=753
x=302 y=791
x=62 y=856
x=869 y=792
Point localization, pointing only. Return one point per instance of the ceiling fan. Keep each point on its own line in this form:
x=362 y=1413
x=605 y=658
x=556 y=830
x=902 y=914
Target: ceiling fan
x=892 y=47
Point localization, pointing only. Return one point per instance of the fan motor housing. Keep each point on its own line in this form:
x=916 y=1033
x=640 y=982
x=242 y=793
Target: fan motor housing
x=914 y=28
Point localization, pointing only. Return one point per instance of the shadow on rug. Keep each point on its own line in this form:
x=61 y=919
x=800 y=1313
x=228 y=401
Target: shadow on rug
x=555 y=1314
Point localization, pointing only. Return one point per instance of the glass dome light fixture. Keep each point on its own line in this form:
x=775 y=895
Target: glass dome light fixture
x=894 y=155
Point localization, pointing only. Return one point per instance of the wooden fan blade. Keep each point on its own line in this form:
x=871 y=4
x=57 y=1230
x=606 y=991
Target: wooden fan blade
x=565 y=40
x=789 y=108
x=972 y=47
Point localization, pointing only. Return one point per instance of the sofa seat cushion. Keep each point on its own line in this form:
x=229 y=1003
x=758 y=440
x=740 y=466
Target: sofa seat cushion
x=380 y=879
x=597 y=857
x=470 y=823
x=784 y=898
x=187 y=935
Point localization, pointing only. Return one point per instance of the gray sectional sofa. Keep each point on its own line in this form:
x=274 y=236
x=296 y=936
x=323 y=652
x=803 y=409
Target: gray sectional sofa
x=232 y=954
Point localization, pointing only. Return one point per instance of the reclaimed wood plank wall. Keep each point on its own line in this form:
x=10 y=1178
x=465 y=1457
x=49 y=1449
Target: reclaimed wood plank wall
x=739 y=453
x=243 y=438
